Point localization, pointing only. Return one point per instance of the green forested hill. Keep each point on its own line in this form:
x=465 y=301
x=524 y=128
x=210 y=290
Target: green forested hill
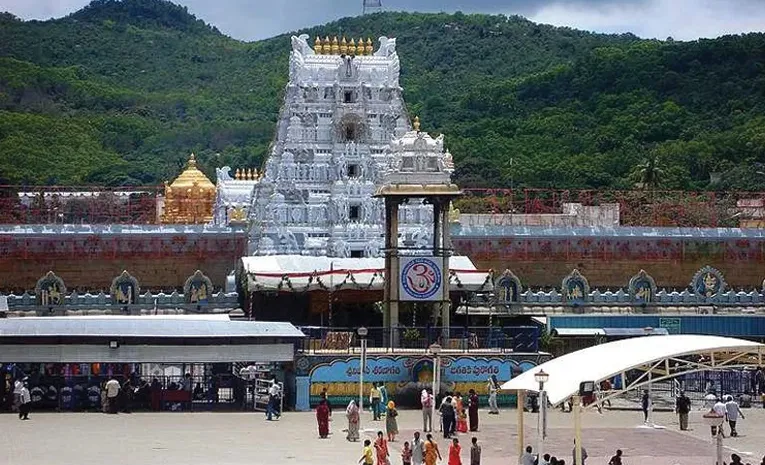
x=121 y=91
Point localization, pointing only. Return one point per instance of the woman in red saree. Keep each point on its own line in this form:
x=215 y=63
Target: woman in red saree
x=381 y=448
x=322 y=417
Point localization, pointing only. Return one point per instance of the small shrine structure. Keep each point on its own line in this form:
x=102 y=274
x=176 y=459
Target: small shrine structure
x=190 y=198
x=419 y=169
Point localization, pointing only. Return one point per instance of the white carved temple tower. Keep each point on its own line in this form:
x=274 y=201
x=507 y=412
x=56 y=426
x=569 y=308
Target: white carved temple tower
x=342 y=108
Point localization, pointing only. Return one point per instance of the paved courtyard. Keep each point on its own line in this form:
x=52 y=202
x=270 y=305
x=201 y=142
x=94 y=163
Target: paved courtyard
x=245 y=438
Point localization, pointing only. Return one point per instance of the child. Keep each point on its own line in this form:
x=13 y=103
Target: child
x=462 y=425
x=406 y=454
x=367 y=458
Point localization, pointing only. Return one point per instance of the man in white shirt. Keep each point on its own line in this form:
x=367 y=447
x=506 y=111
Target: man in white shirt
x=418 y=450
x=112 y=391
x=733 y=411
x=25 y=399
x=17 y=386
x=719 y=408
x=273 y=401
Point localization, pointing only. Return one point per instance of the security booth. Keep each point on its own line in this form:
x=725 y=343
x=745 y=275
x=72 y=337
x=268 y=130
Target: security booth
x=162 y=363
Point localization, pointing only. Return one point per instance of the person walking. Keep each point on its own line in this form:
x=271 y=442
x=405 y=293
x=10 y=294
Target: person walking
x=382 y=406
x=455 y=451
x=447 y=416
x=418 y=450
x=431 y=451
x=112 y=394
x=322 y=418
x=25 y=402
x=367 y=457
x=683 y=408
x=374 y=400
x=616 y=459
x=733 y=411
x=720 y=409
x=406 y=454
x=493 y=388
x=381 y=449
x=473 y=410
x=352 y=413
x=584 y=455
x=645 y=404
x=17 y=386
x=391 y=424
x=426 y=400
x=273 y=399
x=475 y=452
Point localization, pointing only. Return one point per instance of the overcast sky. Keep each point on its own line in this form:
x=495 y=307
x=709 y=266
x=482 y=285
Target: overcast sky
x=258 y=19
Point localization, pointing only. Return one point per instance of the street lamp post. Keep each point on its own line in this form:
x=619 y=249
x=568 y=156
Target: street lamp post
x=362 y=331
x=435 y=349
x=541 y=377
x=715 y=420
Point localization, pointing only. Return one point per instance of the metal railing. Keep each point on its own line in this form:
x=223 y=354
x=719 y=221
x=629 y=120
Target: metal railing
x=325 y=339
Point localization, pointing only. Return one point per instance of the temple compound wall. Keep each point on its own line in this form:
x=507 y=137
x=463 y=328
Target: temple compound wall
x=609 y=257
x=87 y=258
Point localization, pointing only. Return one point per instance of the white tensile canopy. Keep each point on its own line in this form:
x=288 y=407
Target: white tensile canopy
x=298 y=273
x=657 y=357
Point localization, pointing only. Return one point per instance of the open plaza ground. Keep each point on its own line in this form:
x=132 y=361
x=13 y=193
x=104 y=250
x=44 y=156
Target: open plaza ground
x=246 y=438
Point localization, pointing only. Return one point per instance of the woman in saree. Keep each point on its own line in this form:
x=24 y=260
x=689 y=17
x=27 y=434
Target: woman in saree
x=381 y=449
x=322 y=417
x=352 y=412
x=431 y=451
x=391 y=424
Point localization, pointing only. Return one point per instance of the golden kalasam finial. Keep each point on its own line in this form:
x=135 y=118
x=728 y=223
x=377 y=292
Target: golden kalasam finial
x=343 y=46
x=326 y=46
x=352 y=47
x=192 y=161
x=360 y=47
x=416 y=123
x=335 y=47
x=369 y=48
x=238 y=174
x=317 y=45
x=255 y=174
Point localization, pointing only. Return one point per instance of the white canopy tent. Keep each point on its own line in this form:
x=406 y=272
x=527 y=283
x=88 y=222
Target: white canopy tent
x=658 y=358
x=298 y=273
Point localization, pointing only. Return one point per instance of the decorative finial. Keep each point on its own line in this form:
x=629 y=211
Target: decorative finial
x=327 y=46
x=335 y=47
x=343 y=46
x=369 y=48
x=238 y=174
x=416 y=123
x=192 y=161
x=360 y=47
x=352 y=47
x=317 y=45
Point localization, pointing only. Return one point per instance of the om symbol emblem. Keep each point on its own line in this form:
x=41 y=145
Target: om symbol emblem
x=421 y=278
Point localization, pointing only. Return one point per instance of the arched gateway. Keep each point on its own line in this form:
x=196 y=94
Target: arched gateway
x=656 y=357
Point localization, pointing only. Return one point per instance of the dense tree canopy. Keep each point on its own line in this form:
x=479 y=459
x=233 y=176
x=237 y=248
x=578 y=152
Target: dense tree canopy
x=120 y=92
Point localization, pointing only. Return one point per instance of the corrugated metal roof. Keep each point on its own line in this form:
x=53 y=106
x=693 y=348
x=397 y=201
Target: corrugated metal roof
x=147 y=327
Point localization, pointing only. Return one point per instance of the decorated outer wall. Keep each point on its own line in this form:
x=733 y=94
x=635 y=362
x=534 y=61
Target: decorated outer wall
x=611 y=262
x=160 y=260
x=404 y=376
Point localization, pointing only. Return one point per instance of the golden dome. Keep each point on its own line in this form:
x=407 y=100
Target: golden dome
x=192 y=177
x=190 y=197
